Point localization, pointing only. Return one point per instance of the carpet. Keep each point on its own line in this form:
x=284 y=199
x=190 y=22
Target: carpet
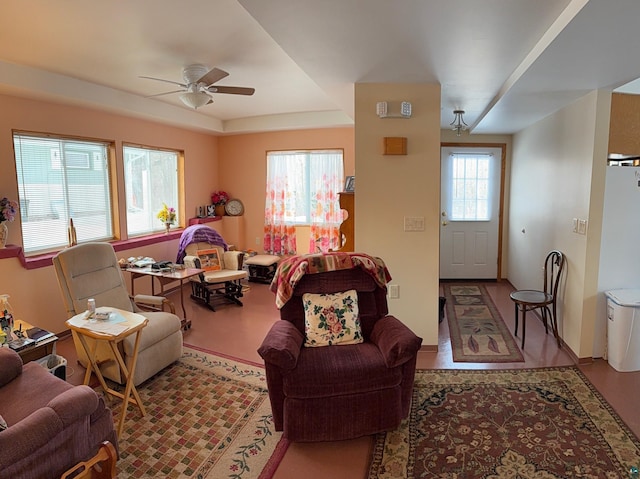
x=476 y=329
x=506 y=424
x=208 y=417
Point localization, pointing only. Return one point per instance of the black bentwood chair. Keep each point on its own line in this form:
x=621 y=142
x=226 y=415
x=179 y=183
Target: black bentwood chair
x=545 y=300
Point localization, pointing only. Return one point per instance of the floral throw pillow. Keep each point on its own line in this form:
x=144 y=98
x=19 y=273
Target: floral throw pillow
x=331 y=319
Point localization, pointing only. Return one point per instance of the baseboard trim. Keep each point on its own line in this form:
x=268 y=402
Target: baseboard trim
x=428 y=348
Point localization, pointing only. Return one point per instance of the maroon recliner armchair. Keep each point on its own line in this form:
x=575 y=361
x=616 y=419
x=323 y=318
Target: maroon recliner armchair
x=341 y=391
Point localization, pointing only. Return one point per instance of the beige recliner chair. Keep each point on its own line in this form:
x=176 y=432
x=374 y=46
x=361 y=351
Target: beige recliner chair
x=91 y=270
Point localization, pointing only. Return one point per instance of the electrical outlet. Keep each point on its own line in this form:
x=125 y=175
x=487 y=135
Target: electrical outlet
x=394 y=291
x=257 y=240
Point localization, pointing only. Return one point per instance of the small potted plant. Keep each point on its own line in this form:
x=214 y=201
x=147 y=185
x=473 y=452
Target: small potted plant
x=168 y=216
x=219 y=199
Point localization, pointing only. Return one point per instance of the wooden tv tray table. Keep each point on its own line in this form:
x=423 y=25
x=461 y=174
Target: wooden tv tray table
x=164 y=278
x=112 y=333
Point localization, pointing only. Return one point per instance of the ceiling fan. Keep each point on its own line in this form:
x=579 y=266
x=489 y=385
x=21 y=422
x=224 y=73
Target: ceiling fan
x=199 y=83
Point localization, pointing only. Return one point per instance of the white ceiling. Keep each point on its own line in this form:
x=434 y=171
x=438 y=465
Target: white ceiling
x=507 y=63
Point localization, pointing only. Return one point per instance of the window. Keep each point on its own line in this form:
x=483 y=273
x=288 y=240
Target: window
x=302 y=189
x=470 y=187
x=151 y=180
x=59 y=179
x=302 y=176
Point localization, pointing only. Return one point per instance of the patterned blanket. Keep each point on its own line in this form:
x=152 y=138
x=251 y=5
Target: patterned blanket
x=198 y=234
x=290 y=270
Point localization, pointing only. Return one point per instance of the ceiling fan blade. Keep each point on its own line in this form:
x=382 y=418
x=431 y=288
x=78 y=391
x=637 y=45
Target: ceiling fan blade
x=165 y=93
x=233 y=90
x=166 y=81
x=212 y=76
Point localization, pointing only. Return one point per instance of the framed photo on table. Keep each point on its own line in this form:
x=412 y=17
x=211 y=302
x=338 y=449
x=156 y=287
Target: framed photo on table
x=350 y=184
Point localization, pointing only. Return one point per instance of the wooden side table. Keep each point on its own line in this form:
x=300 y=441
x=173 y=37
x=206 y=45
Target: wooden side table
x=38 y=350
x=112 y=334
x=164 y=278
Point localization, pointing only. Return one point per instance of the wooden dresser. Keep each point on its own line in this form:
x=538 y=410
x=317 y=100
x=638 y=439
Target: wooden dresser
x=347 y=228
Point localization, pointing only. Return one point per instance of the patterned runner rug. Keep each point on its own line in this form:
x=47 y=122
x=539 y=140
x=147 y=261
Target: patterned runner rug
x=477 y=331
x=208 y=417
x=532 y=423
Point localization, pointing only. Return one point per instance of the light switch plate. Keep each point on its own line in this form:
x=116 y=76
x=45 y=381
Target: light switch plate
x=414 y=223
x=582 y=227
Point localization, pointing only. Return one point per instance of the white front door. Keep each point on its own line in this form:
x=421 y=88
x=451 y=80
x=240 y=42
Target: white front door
x=470 y=209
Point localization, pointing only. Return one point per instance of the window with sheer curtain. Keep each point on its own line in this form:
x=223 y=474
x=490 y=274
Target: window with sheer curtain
x=58 y=179
x=151 y=181
x=302 y=189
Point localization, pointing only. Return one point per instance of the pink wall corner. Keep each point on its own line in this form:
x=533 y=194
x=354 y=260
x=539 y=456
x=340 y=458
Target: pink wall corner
x=243 y=167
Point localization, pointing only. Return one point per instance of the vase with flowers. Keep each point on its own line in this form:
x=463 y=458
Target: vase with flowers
x=219 y=199
x=8 y=210
x=168 y=216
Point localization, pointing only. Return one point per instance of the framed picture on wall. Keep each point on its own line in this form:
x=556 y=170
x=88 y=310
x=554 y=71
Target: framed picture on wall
x=350 y=183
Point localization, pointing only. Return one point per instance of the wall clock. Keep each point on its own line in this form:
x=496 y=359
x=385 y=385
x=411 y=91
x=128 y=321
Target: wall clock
x=234 y=207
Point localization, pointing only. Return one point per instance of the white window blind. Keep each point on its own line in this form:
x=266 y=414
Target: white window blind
x=151 y=180
x=59 y=179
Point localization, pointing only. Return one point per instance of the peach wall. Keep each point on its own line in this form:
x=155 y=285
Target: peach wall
x=234 y=163
x=34 y=293
x=243 y=168
x=200 y=149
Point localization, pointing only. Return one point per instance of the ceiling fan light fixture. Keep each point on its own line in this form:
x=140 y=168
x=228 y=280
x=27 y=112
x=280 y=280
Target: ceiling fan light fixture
x=458 y=125
x=195 y=99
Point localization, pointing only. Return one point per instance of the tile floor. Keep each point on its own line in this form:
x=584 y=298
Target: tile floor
x=239 y=331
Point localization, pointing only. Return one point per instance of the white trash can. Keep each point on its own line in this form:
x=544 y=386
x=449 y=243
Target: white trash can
x=623 y=329
x=56 y=365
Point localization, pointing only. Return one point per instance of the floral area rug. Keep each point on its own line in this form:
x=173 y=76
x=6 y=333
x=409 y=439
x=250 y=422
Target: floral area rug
x=208 y=417
x=477 y=331
x=532 y=423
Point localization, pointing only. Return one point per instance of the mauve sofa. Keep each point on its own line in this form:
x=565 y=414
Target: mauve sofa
x=343 y=391
x=52 y=425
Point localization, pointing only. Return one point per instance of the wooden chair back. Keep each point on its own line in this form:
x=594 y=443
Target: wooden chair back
x=553 y=266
